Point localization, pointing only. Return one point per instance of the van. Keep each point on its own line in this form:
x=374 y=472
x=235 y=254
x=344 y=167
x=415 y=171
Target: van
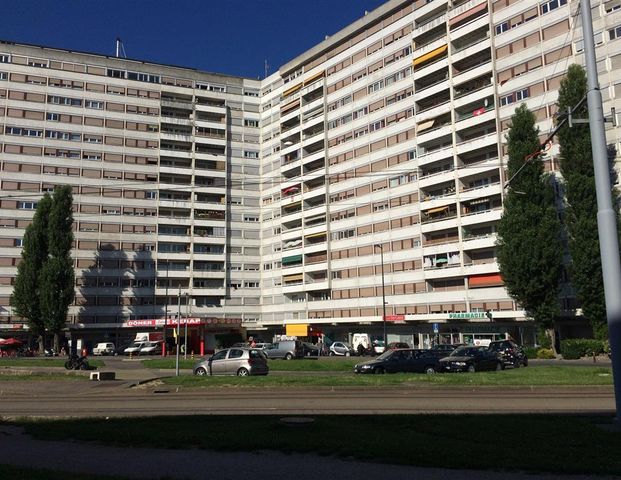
x=287 y=349
x=104 y=349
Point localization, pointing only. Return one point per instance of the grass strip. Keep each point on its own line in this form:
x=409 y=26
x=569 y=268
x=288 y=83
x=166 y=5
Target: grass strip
x=533 y=443
x=302 y=365
x=535 y=376
x=11 y=377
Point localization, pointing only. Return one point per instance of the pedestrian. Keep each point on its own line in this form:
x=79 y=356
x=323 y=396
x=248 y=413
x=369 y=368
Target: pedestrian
x=319 y=347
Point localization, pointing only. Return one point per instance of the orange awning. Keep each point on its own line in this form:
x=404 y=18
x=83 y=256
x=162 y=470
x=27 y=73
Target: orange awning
x=430 y=55
x=489 y=280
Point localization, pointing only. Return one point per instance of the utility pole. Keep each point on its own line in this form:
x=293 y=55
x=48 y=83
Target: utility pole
x=381 y=247
x=606 y=219
x=187 y=316
x=178 y=330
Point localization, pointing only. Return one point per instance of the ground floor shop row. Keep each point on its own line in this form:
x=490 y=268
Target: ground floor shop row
x=200 y=336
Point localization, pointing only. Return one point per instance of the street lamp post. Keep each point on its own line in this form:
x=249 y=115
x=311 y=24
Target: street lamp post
x=178 y=330
x=381 y=247
x=185 y=337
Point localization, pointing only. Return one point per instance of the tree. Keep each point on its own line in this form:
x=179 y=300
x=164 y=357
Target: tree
x=57 y=277
x=529 y=244
x=25 y=297
x=581 y=203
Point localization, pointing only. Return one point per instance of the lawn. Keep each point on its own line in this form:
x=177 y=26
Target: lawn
x=536 y=376
x=564 y=444
x=301 y=365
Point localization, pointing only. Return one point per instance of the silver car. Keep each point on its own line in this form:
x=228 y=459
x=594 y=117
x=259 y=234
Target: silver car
x=240 y=361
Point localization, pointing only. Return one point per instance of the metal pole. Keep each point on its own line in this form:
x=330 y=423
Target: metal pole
x=178 y=330
x=606 y=220
x=185 y=338
x=381 y=247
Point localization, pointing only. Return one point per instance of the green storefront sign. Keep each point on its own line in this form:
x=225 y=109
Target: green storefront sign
x=466 y=315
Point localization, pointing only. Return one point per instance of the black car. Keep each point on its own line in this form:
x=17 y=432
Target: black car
x=511 y=353
x=446 y=347
x=401 y=360
x=471 y=359
x=309 y=350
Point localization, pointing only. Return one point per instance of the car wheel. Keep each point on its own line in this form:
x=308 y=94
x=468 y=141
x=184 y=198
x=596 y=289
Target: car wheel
x=525 y=363
x=331 y=353
x=429 y=370
x=471 y=369
x=288 y=356
x=517 y=364
x=242 y=372
x=347 y=354
x=84 y=366
x=379 y=371
x=201 y=372
x=499 y=366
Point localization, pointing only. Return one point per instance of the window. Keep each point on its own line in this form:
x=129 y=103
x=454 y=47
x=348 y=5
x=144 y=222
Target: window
x=503 y=27
x=143 y=77
x=552 y=5
x=3 y=76
x=53 y=117
x=5 y=58
x=614 y=33
x=18 y=242
x=251 y=123
x=522 y=94
x=374 y=87
x=26 y=205
x=94 y=104
x=150 y=195
x=115 y=73
x=251 y=154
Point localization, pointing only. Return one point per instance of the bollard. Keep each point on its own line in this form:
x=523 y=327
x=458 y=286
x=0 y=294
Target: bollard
x=130 y=355
x=192 y=354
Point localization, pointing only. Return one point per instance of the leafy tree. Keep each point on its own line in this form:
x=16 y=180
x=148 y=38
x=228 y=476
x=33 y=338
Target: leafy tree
x=581 y=210
x=57 y=277
x=25 y=299
x=529 y=244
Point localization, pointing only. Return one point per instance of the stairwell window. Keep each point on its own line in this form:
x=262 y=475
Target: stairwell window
x=552 y=5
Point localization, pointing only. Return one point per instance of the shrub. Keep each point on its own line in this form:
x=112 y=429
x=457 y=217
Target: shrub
x=545 y=353
x=575 y=348
x=531 y=352
x=543 y=340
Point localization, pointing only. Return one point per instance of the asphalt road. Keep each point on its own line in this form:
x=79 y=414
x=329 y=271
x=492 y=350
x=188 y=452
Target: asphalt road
x=84 y=399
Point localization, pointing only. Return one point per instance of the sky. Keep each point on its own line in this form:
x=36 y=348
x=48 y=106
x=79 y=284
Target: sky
x=233 y=37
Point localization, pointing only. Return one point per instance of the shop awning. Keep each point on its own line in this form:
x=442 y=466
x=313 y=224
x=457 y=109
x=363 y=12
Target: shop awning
x=293 y=278
x=437 y=210
x=489 y=280
x=291 y=259
x=430 y=55
x=425 y=125
x=297 y=329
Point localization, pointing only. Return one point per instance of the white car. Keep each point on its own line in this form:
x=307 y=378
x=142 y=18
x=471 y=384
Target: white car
x=134 y=348
x=341 y=348
x=151 y=348
x=104 y=349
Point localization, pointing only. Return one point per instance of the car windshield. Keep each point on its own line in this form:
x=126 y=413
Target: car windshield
x=385 y=355
x=464 y=352
x=379 y=343
x=135 y=345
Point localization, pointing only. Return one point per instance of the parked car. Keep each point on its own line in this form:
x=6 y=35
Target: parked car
x=287 y=349
x=151 y=348
x=511 y=353
x=262 y=345
x=378 y=347
x=446 y=347
x=104 y=349
x=471 y=359
x=396 y=345
x=134 y=348
x=240 y=361
x=309 y=350
x=401 y=360
x=341 y=349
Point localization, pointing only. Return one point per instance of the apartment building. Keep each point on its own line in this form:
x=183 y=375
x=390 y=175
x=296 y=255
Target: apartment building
x=363 y=181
